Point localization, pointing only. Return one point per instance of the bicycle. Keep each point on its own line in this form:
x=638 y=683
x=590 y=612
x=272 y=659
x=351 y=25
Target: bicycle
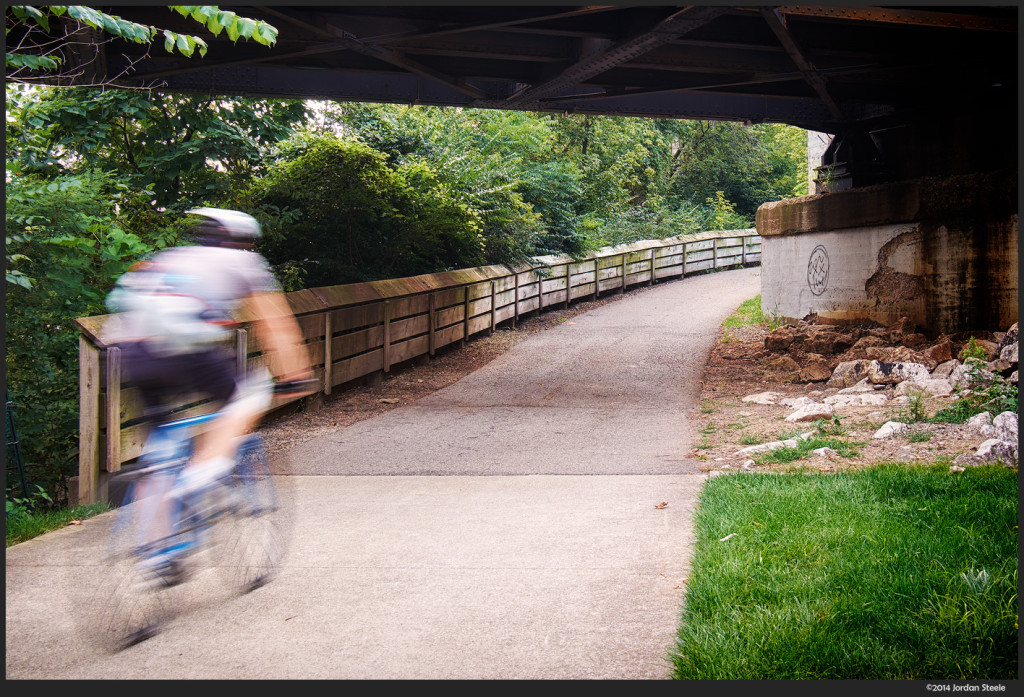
x=234 y=518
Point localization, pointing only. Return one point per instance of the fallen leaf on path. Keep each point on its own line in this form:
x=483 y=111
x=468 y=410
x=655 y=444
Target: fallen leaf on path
x=662 y=504
x=390 y=400
x=75 y=522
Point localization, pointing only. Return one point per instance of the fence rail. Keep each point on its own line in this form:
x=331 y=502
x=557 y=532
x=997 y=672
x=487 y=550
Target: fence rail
x=364 y=329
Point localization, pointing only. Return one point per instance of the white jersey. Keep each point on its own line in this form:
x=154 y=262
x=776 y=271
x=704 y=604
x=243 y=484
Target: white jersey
x=185 y=299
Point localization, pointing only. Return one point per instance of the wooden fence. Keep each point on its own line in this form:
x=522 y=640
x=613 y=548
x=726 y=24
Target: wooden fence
x=364 y=329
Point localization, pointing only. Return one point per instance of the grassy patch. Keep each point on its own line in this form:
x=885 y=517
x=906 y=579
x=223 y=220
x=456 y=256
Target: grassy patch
x=25 y=526
x=804 y=448
x=749 y=312
x=893 y=572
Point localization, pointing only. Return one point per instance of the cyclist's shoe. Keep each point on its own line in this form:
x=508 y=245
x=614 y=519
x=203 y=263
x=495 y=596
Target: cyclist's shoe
x=166 y=567
x=198 y=478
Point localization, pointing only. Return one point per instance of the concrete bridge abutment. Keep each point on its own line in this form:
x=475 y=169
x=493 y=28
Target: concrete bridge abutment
x=940 y=251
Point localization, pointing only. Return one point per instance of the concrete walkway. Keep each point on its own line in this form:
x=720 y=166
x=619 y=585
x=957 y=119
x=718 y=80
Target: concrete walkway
x=503 y=528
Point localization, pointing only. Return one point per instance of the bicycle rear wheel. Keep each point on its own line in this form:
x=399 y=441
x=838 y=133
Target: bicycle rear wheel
x=249 y=540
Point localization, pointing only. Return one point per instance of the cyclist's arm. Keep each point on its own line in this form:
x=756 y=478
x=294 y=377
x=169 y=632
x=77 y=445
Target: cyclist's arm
x=279 y=336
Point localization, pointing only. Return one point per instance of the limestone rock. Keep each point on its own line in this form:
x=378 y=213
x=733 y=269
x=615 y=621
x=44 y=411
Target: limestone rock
x=784 y=364
x=1006 y=426
x=849 y=373
x=945 y=369
x=932 y=387
x=796 y=402
x=811 y=412
x=893 y=373
x=856 y=400
x=816 y=369
x=864 y=385
x=1008 y=344
x=965 y=375
x=914 y=340
x=779 y=340
x=868 y=341
x=827 y=342
x=763 y=398
x=996 y=450
x=899 y=354
x=979 y=420
x=890 y=428
x=775 y=445
x=940 y=352
x=1010 y=337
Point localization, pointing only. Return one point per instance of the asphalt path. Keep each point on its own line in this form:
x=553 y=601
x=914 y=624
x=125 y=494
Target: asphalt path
x=508 y=526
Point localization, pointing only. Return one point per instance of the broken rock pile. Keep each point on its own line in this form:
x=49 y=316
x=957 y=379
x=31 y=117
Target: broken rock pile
x=862 y=366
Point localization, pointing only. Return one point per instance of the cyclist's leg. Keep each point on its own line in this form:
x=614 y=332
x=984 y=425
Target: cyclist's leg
x=249 y=399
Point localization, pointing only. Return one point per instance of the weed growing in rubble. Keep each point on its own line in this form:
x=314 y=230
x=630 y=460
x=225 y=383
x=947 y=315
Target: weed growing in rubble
x=987 y=391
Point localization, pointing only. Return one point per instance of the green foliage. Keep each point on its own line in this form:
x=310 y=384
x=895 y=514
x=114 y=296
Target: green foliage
x=41 y=40
x=182 y=149
x=749 y=165
x=986 y=392
x=338 y=213
x=914 y=411
x=65 y=237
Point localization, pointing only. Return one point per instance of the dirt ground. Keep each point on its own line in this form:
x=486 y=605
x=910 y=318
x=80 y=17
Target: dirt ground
x=737 y=367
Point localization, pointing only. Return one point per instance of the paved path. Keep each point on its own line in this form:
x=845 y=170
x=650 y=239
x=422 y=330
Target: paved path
x=539 y=554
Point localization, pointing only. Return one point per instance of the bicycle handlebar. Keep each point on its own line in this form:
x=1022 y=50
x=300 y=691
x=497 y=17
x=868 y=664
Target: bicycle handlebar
x=291 y=386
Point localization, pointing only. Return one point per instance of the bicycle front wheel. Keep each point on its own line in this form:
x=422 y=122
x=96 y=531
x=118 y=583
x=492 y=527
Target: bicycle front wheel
x=133 y=600
x=249 y=545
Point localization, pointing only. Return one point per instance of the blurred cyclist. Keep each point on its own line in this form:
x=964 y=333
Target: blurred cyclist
x=177 y=314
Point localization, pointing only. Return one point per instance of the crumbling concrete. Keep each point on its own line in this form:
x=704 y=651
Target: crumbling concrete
x=941 y=252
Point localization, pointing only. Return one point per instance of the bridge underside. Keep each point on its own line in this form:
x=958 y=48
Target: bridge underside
x=906 y=91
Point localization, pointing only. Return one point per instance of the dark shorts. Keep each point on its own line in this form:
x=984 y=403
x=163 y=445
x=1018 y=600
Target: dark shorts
x=163 y=380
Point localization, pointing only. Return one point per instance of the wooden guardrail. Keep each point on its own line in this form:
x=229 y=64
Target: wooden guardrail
x=364 y=329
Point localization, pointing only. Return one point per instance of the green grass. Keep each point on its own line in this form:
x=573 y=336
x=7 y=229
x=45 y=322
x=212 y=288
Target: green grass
x=749 y=312
x=27 y=525
x=893 y=572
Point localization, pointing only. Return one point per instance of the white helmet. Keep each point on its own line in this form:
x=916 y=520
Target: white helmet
x=222 y=225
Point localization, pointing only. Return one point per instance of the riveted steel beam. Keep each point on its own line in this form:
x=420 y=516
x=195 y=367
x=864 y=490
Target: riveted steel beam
x=923 y=18
x=673 y=26
x=777 y=23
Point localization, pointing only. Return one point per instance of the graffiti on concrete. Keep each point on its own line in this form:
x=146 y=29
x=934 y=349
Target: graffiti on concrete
x=817 y=270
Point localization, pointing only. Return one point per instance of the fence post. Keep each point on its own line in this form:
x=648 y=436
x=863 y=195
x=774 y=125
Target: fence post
x=490 y=331
x=432 y=309
x=568 y=286
x=683 y=274
x=113 y=463
x=622 y=289
x=465 y=316
x=328 y=346
x=597 y=270
x=515 y=315
x=743 y=250
x=714 y=253
x=387 y=336
x=651 y=283
x=88 y=421
x=241 y=351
